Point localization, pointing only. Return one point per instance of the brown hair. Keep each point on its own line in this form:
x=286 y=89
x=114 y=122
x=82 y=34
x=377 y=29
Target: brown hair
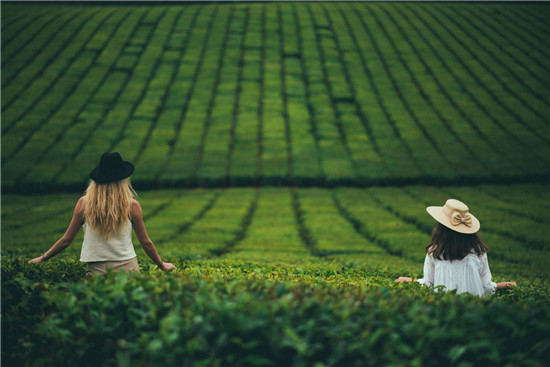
x=107 y=206
x=447 y=244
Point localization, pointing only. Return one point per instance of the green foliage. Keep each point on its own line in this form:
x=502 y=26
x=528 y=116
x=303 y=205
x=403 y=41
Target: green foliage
x=225 y=313
x=308 y=121
x=289 y=93
x=275 y=276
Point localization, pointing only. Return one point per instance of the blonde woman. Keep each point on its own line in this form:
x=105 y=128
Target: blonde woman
x=107 y=213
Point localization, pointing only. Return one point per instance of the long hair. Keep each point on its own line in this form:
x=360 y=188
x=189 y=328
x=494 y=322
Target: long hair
x=447 y=244
x=107 y=206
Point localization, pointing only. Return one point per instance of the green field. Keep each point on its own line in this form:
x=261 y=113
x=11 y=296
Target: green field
x=285 y=153
x=289 y=93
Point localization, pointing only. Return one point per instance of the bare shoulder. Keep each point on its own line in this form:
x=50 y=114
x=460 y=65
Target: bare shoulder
x=135 y=208
x=79 y=209
x=80 y=204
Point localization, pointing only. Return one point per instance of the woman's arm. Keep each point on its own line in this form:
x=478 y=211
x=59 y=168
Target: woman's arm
x=143 y=237
x=428 y=273
x=488 y=285
x=404 y=279
x=66 y=240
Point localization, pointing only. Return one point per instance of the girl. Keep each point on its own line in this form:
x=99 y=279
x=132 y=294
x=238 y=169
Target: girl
x=107 y=214
x=456 y=257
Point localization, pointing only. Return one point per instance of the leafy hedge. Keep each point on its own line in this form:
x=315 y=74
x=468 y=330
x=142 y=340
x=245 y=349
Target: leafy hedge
x=252 y=315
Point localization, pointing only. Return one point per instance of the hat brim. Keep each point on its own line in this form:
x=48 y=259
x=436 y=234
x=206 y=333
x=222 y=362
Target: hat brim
x=127 y=170
x=437 y=213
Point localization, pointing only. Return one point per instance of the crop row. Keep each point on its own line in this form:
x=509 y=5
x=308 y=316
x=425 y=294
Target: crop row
x=241 y=94
x=375 y=227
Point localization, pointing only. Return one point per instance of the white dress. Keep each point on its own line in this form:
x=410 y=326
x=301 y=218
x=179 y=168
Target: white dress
x=470 y=274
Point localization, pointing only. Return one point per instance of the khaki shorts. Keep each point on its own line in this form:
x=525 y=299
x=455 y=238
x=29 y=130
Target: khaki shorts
x=100 y=267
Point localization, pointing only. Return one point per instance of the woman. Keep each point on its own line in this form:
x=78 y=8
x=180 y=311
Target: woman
x=107 y=214
x=456 y=257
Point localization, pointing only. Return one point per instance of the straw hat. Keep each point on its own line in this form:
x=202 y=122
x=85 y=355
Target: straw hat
x=111 y=168
x=455 y=215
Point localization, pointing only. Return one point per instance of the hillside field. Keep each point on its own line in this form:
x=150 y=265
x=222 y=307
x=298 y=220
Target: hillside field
x=285 y=153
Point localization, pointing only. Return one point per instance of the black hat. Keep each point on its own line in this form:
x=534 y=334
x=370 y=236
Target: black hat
x=111 y=168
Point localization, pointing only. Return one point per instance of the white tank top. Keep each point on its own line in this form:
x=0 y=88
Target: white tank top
x=117 y=248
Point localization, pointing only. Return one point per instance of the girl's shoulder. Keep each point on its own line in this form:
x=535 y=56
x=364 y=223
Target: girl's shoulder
x=135 y=209
x=483 y=256
x=80 y=203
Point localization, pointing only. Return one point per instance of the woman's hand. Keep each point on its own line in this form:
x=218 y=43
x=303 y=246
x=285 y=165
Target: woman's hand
x=167 y=266
x=37 y=260
x=507 y=285
x=403 y=279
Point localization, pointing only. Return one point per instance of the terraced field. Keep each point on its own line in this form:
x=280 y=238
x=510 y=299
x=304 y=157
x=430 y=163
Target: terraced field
x=375 y=228
x=282 y=93
x=285 y=154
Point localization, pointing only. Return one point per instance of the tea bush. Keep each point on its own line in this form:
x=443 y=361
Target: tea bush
x=325 y=94
x=315 y=135
x=224 y=313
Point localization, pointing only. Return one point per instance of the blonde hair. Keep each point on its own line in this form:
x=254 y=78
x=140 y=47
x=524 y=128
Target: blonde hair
x=107 y=206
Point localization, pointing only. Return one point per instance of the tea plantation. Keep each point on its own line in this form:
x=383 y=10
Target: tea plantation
x=285 y=153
